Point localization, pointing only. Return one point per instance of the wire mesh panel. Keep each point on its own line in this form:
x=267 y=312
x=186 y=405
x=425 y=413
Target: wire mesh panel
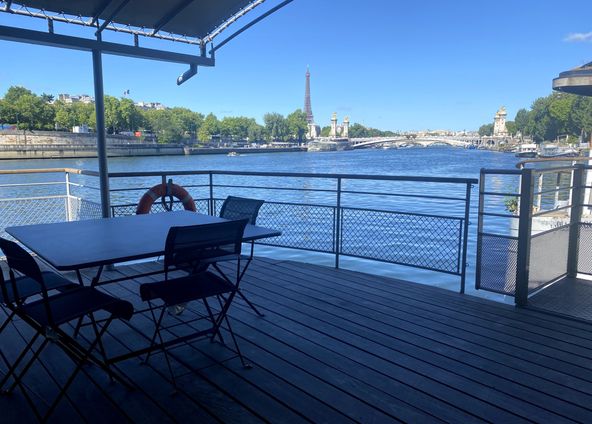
x=32 y=211
x=83 y=209
x=585 y=249
x=548 y=257
x=497 y=255
x=425 y=241
x=310 y=227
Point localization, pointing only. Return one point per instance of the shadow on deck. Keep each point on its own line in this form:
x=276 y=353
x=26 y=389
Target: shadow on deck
x=341 y=346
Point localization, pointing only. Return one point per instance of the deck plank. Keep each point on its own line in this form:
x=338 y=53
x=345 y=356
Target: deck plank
x=342 y=346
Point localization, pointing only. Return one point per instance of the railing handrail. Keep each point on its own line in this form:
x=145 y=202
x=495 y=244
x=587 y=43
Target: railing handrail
x=48 y=171
x=522 y=163
x=454 y=180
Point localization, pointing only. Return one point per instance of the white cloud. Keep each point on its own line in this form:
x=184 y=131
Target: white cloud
x=579 y=36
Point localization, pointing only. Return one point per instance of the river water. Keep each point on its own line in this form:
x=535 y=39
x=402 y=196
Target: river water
x=436 y=162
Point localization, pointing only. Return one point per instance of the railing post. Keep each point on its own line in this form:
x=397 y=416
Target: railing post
x=480 y=210
x=338 y=223
x=211 y=205
x=524 y=236
x=577 y=205
x=463 y=271
x=68 y=202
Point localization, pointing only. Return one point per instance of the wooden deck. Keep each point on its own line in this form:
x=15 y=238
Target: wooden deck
x=340 y=346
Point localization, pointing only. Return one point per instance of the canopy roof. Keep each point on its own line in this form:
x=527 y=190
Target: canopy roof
x=190 y=18
x=575 y=81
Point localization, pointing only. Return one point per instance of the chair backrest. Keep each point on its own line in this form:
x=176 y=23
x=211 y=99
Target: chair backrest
x=241 y=208
x=189 y=245
x=18 y=259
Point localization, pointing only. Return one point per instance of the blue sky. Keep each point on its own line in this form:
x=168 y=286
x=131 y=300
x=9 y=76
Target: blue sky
x=398 y=65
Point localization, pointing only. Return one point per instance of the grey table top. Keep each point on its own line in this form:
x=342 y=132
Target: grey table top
x=93 y=242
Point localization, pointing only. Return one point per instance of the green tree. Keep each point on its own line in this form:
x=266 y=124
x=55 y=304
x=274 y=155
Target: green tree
x=210 y=127
x=129 y=117
x=113 y=118
x=325 y=131
x=486 y=130
x=522 y=121
x=22 y=107
x=276 y=126
x=297 y=124
x=511 y=127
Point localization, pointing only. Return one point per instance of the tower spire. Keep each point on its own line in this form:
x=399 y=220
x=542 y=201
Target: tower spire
x=307 y=106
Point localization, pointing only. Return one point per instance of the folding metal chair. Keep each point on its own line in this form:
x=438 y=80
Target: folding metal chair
x=188 y=248
x=20 y=290
x=243 y=208
x=48 y=315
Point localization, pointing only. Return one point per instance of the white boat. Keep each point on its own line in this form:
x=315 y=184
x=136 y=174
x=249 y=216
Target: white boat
x=232 y=154
x=529 y=150
x=554 y=151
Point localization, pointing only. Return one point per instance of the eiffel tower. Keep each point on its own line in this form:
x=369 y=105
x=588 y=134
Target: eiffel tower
x=307 y=106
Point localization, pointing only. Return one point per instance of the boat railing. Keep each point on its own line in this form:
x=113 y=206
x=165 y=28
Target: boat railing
x=421 y=222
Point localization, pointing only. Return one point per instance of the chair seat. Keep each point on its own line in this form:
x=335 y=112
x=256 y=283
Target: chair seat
x=77 y=302
x=186 y=288
x=28 y=287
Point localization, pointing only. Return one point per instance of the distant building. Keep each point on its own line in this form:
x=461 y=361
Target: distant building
x=79 y=98
x=81 y=129
x=499 y=123
x=339 y=130
x=150 y=105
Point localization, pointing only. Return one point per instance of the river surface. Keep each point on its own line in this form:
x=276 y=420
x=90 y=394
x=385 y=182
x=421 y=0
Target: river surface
x=434 y=162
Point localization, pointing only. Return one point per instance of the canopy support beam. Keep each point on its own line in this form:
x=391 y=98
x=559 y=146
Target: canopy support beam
x=101 y=136
x=86 y=44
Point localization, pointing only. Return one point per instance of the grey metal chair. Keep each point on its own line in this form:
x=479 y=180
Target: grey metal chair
x=48 y=316
x=188 y=248
x=243 y=208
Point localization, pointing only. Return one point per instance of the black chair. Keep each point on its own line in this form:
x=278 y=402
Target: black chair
x=48 y=316
x=243 y=208
x=20 y=290
x=187 y=249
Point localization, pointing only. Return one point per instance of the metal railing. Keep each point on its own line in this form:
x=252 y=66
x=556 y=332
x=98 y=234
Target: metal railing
x=550 y=230
x=420 y=222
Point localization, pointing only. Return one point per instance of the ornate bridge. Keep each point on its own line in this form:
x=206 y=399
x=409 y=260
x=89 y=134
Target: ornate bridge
x=401 y=141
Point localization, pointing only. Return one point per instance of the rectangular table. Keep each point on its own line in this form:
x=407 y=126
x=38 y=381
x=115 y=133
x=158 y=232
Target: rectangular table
x=71 y=246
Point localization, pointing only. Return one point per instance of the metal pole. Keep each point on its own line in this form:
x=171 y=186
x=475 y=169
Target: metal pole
x=101 y=137
x=577 y=202
x=480 y=229
x=68 y=202
x=211 y=203
x=524 y=236
x=463 y=271
x=338 y=223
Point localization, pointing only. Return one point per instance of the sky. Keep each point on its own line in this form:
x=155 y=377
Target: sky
x=396 y=65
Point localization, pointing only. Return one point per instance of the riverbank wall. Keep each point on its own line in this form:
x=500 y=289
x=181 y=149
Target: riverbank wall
x=63 y=145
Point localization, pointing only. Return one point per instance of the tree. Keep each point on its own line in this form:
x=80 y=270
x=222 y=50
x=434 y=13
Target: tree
x=325 y=131
x=511 y=127
x=113 y=118
x=210 y=126
x=297 y=124
x=22 y=107
x=521 y=121
x=255 y=131
x=276 y=126
x=486 y=130
x=130 y=118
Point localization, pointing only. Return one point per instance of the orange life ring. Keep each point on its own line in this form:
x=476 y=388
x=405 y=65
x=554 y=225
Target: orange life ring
x=163 y=190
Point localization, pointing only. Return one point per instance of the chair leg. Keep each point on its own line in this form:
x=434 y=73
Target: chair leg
x=157 y=333
x=12 y=369
x=240 y=293
x=19 y=377
x=238 y=351
x=74 y=373
x=213 y=320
